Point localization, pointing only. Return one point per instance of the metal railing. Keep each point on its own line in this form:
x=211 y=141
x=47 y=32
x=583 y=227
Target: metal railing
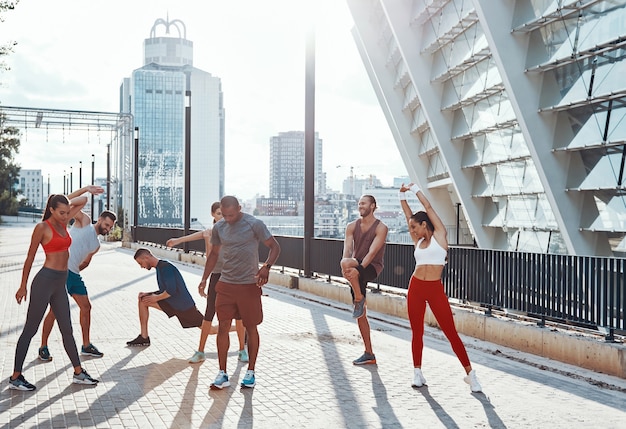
x=583 y=291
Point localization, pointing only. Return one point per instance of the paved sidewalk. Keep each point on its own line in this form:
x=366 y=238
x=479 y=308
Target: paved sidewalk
x=305 y=376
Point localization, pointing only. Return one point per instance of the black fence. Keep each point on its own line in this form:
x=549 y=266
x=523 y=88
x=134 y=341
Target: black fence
x=576 y=290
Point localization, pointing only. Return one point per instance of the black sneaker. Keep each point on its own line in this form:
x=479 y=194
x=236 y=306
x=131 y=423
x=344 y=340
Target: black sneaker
x=44 y=354
x=91 y=350
x=84 y=378
x=139 y=341
x=20 y=383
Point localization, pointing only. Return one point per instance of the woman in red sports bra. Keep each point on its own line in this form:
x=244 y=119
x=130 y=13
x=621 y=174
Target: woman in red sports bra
x=48 y=286
x=431 y=247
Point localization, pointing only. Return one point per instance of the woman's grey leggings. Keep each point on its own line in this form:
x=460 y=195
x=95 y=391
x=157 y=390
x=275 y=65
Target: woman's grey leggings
x=48 y=287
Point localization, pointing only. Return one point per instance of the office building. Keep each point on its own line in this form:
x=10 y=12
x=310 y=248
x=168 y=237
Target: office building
x=30 y=184
x=158 y=95
x=512 y=110
x=287 y=166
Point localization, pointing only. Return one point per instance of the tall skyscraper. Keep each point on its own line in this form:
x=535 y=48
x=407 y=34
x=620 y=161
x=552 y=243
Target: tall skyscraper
x=156 y=95
x=511 y=110
x=287 y=166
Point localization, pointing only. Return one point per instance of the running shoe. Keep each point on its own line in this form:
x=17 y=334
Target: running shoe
x=44 y=354
x=365 y=359
x=20 y=383
x=418 y=378
x=243 y=355
x=472 y=380
x=139 y=341
x=197 y=357
x=221 y=381
x=359 y=309
x=84 y=378
x=91 y=350
x=249 y=380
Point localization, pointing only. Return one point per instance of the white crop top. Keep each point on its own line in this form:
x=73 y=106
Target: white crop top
x=434 y=254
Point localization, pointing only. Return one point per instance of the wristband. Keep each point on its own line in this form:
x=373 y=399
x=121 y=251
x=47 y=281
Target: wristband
x=414 y=188
x=402 y=196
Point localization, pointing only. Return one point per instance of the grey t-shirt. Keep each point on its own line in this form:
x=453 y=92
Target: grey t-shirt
x=240 y=248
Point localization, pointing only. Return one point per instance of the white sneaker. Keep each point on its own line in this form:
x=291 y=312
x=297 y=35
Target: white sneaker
x=418 y=378
x=472 y=380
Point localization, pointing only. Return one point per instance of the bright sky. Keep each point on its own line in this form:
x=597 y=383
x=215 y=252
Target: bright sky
x=74 y=54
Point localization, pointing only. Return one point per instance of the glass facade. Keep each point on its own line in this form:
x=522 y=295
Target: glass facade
x=515 y=109
x=159 y=109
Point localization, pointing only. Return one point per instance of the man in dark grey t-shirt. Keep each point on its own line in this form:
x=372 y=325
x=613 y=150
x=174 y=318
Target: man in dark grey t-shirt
x=237 y=238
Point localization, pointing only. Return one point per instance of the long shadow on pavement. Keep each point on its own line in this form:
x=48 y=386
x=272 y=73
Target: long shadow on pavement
x=121 y=396
x=441 y=414
x=331 y=356
x=215 y=415
x=383 y=409
x=435 y=339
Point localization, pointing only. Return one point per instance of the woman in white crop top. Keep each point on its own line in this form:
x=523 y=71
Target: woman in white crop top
x=431 y=248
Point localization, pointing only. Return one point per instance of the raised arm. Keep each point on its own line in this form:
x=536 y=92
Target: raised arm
x=198 y=235
x=403 y=202
x=77 y=202
x=440 y=230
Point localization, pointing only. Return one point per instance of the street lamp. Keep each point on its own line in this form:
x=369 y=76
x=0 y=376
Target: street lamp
x=93 y=179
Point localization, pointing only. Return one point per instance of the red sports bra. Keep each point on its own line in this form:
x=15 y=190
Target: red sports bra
x=58 y=243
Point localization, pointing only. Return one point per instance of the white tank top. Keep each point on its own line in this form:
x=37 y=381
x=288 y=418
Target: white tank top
x=84 y=241
x=434 y=254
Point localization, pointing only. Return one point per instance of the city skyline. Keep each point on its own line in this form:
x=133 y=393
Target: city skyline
x=261 y=64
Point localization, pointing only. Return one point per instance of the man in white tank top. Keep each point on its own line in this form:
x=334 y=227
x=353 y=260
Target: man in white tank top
x=84 y=245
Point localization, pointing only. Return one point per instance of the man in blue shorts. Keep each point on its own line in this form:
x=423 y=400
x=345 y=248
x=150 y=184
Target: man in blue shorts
x=84 y=245
x=172 y=298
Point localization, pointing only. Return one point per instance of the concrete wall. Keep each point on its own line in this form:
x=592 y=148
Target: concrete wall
x=561 y=345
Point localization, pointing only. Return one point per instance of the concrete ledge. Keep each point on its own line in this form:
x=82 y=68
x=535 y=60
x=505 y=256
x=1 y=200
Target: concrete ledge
x=558 y=344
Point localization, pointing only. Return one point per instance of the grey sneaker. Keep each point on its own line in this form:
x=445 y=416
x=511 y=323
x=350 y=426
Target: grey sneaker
x=84 y=378
x=44 y=354
x=91 y=350
x=20 y=383
x=365 y=359
x=359 y=309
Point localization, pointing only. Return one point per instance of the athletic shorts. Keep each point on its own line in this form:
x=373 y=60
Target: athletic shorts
x=210 y=297
x=75 y=284
x=239 y=302
x=366 y=275
x=190 y=318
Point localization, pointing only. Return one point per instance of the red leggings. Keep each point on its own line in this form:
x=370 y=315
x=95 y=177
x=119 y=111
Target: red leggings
x=421 y=291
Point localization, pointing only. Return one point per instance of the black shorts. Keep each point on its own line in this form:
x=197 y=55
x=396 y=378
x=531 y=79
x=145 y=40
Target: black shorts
x=190 y=318
x=366 y=275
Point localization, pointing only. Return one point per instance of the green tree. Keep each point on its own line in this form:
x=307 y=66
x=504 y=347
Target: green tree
x=9 y=170
x=6 y=48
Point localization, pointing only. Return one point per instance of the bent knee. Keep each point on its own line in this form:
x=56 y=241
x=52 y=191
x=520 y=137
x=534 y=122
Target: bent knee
x=348 y=263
